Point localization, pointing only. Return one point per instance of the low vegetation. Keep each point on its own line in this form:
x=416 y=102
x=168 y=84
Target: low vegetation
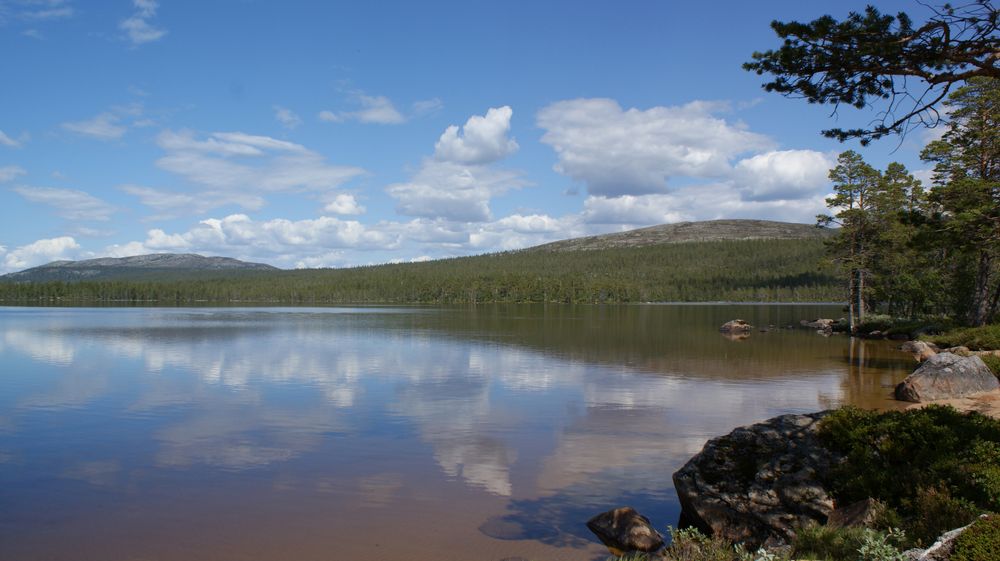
x=983 y=338
x=980 y=542
x=735 y=270
x=934 y=468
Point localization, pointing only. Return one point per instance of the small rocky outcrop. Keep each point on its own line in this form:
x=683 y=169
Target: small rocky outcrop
x=945 y=376
x=941 y=550
x=736 y=326
x=624 y=530
x=759 y=483
x=920 y=350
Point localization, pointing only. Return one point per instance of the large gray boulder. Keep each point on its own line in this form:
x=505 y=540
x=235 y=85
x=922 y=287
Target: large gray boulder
x=759 y=483
x=624 y=530
x=945 y=376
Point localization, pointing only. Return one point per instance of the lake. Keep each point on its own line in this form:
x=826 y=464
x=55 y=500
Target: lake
x=417 y=433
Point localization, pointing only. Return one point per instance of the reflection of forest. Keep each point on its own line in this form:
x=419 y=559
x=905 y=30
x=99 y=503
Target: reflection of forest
x=672 y=339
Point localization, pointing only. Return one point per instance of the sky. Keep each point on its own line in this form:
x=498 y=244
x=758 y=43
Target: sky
x=332 y=134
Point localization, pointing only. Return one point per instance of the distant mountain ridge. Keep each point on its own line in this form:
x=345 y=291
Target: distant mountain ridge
x=136 y=267
x=681 y=232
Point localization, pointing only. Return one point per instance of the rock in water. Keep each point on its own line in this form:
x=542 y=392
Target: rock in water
x=758 y=483
x=623 y=530
x=736 y=326
x=920 y=350
x=945 y=376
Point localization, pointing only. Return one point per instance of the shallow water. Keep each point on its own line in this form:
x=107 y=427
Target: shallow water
x=489 y=432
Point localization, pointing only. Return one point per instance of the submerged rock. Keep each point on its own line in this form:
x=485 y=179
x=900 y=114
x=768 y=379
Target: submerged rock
x=945 y=376
x=759 y=483
x=624 y=529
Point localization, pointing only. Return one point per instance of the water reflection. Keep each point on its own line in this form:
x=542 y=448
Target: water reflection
x=512 y=424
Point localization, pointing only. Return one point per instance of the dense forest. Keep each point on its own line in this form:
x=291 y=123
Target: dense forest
x=735 y=270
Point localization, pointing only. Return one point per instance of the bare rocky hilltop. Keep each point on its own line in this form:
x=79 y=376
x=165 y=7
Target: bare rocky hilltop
x=680 y=232
x=135 y=267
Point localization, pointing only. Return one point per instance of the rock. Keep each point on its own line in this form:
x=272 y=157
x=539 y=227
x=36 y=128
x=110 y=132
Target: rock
x=942 y=548
x=945 y=376
x=758 y=483
x=960 y=351
x=860 y=514
x=920 y=350
x=736 y=326
x=623 y=530
x=818 y=323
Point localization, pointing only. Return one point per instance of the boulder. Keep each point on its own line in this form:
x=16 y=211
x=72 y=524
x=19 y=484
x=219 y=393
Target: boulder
x=759 y=483
x=736 y=326
x=821 y=323
x=861 y=514
x=623 y=530
x=920 y=350
x=945 y=376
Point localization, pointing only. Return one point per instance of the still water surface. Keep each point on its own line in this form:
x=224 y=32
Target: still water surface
x=480 y=433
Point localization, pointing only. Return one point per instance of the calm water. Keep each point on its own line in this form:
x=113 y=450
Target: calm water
x=300 y=434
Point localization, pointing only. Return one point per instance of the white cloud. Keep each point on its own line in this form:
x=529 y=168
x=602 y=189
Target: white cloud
x=376 y=109
x=238 y=234
x=244 y=163
x=45 y=10
x=8 y=141
x=457 y=183
x=170 y=204
x=343 y=203
x=137 y=28
x=286 y=117
x=9 y=173
x=105 y=126
x=69 y=203
x=785 y=174
x=482 y=140
x=39 y=253
x=452 y=191
x=425 y=106
x=635 y=152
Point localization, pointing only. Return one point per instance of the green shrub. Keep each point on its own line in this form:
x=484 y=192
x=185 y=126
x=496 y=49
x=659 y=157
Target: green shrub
x=993 y=362
x=936 y=511
x=979 y=542
x=877 y=546
x=889 y=325
x=823 y=542
x=932 y=458
x=985 y=338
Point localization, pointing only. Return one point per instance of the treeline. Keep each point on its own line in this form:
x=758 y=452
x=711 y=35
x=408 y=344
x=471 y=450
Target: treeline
x=907 y=251
x=737 y=270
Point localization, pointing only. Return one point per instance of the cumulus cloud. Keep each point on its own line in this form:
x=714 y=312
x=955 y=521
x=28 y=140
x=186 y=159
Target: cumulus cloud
x=137 y=28
x=68 y=203
x=39 y=253
x=286 y=117
x=9 y=173
x=376 y=109
x=452 y=191
x=343 y=203
x=636 y=152
x=458 y=182
x=785 y=174
x=238 y=234
x=482 y=140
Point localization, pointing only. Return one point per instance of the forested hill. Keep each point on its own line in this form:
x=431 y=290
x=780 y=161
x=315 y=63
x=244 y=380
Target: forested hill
x=750 y=268
x=139 y=267
x=704 y=231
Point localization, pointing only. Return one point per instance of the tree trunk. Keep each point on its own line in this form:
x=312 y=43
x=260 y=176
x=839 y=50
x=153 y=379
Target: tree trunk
x=980 y=312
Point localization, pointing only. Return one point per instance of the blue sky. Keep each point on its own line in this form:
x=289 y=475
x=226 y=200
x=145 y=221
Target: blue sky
x=307 y=134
